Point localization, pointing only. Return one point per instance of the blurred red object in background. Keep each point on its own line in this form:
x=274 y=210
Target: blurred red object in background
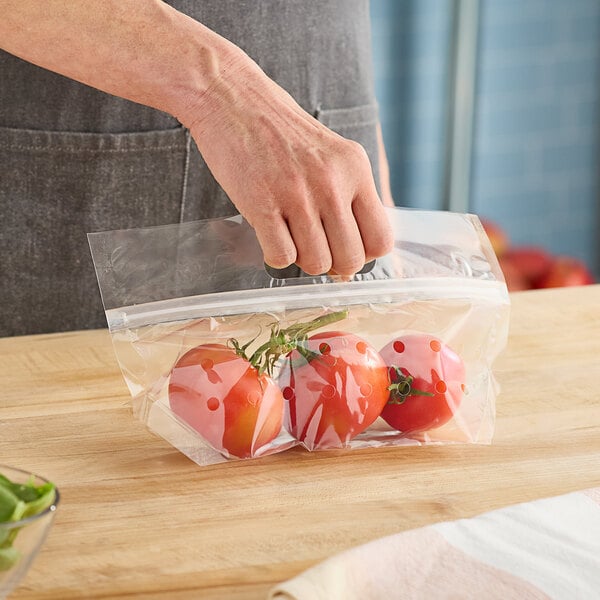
x=531 y=267
x=515 y=280
x=566 y=271
x=498 y=237
x=533 y=263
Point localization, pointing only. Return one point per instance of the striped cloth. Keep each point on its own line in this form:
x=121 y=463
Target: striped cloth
x=543 y=549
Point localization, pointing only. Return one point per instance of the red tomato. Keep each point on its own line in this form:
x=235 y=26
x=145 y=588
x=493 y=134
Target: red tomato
x=430 y=378
x=532 y=262
x=335 y=394
x=515 y=280
x=223 y=397
x=564 y=272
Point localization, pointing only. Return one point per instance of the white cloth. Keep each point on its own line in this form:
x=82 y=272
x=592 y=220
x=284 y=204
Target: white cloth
x=543 y=549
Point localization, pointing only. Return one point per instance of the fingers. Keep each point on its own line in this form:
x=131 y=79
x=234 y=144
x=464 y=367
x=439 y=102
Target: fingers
x=345 y=243
x=278 y=247
x=372 y=221
x=313 y=250
x=344 y=238
x=331 y=229
x=358 y=231
x=318 y=245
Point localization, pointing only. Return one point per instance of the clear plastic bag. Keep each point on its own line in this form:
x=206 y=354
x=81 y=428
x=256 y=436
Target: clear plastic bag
x=225 y=359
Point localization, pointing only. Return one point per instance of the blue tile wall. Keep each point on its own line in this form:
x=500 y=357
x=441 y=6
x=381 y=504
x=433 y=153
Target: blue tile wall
x=536 y=147
x=410 y=52
x=537 y=135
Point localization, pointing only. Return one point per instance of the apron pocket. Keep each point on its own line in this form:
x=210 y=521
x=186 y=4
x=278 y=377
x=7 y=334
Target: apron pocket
x=55 y=187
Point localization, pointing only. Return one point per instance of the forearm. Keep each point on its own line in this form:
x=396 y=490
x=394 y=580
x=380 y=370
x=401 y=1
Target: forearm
x=308 y=192
x=142 y=50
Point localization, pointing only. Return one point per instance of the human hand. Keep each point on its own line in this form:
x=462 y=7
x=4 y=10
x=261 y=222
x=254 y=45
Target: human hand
x=308 y=193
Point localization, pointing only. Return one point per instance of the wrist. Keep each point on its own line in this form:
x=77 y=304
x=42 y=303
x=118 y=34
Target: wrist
x=208 y=82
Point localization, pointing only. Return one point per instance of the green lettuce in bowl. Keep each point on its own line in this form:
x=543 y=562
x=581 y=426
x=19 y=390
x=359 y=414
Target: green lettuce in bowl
x=27 y=506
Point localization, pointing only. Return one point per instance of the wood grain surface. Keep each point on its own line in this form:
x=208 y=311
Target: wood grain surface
x=138 y=519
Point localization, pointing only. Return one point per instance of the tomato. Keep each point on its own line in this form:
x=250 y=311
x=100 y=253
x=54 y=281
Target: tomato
x=223 y=397
x=514 y=278
x=566 y=271
x=532 y=262
x=335 y=386
x=430 y=381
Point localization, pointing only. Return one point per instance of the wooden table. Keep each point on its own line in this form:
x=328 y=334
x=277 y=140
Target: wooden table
x=138 y=519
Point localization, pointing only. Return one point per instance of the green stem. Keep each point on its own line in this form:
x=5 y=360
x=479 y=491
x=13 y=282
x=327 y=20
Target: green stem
x=402 y=388
x=283 y=341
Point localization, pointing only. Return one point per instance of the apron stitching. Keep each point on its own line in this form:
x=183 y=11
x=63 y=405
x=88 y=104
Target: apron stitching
x=186 y=170
x=88 y=150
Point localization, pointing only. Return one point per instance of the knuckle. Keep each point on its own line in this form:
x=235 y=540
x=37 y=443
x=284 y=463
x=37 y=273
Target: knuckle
x=338 y=206
x=281 y=261
x=357 y=152
x=328 y=179
x=315 y=266
x=386 y=240
x=300 y=208
x=293 y=178
x=350 y=265
x=380 y=245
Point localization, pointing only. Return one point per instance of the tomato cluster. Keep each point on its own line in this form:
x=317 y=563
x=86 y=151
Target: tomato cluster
x=330 y=387
x=533 y=267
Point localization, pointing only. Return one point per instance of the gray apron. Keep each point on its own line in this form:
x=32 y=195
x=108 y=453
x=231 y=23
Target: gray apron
x=75 y=160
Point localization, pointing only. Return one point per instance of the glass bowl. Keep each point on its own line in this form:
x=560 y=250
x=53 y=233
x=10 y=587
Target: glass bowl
x=20 y=541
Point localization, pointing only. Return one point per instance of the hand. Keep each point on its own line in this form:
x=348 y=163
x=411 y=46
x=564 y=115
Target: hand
x=308 y=192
